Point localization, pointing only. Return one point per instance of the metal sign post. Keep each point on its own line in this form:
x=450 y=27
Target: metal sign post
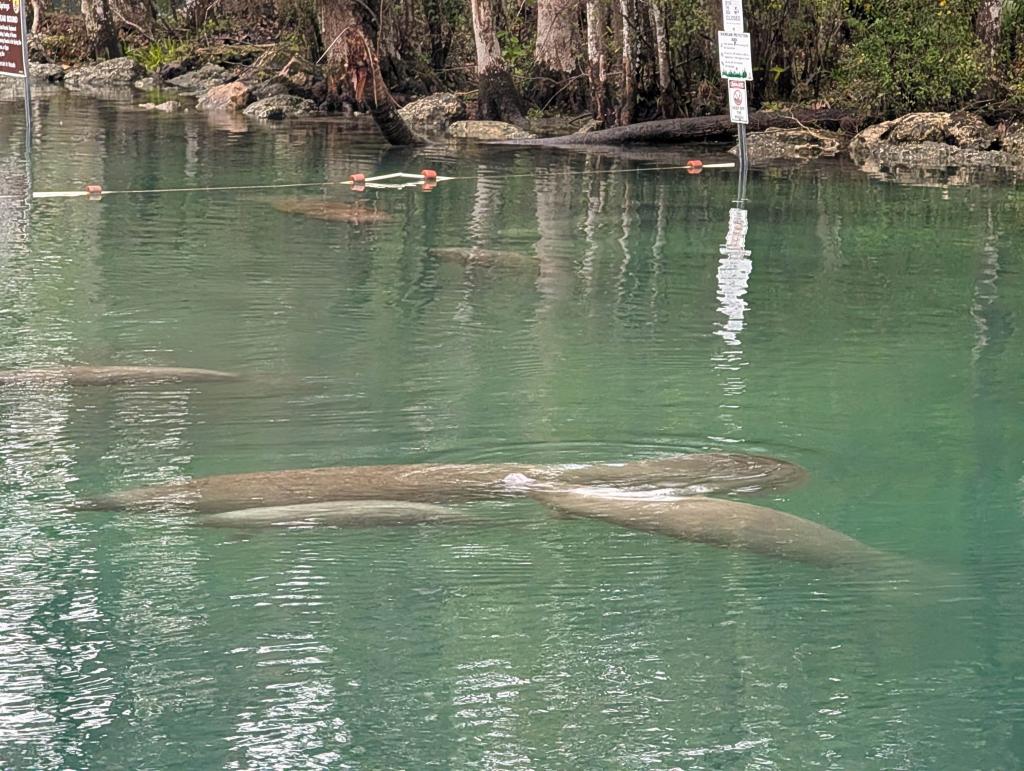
x=14 y=55
x=736 y=66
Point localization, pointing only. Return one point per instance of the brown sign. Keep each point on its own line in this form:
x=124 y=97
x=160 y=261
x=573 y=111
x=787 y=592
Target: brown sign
x=12 y=61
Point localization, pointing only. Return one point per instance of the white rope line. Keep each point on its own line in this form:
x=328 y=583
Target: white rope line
x=378 y=182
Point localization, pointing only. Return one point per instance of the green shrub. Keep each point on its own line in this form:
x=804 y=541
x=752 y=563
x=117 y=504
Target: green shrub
x=911 y=55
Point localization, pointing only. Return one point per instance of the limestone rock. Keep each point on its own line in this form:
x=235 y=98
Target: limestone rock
x=432 y=114
x=486 y=130
x=793 y=145
x=203 y=79
x=969 y=132
x=229 y=96
x=1013 y=141
x=45 y=73
x=113 y=72
x=283 y=106
x=940 y=142
x=273 y=87
x=919 y=127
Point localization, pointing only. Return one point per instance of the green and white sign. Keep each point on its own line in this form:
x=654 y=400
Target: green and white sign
x=734 y=60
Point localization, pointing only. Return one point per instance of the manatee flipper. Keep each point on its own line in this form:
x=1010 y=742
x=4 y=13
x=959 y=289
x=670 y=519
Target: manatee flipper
x=368 y=513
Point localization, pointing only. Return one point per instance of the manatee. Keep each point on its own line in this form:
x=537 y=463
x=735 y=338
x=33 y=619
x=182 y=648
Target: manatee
x=331 y=211
x=713 y=521
x=438 y=483
x=367 y=513
x=87 y=376
x=484 y=257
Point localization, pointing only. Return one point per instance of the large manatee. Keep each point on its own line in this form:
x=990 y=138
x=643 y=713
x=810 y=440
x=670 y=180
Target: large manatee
x=723 y=523
x=368 y=513
x=87 y=376
x=434 y=483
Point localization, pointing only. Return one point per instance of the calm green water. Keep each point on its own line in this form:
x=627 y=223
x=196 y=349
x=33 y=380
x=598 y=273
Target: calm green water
x=873 y=336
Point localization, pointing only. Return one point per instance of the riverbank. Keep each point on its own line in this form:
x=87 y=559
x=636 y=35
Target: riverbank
x=271 y=82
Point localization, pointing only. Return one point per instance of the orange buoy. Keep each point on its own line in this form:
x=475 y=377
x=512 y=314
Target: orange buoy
x=94 y=191
x=357 y=178
x=429 y=174
x=694 y=167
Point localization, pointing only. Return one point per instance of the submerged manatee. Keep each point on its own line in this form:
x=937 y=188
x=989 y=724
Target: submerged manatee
x=86 y=376
x=367 y=513
x=484 y=257
x=433 y=483
x=330 y=211
x=723 y=523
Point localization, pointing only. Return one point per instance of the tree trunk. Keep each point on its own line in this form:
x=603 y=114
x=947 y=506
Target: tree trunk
x=351 y=65
x=439 y=45
x=597 y=72
x=661 y=49
x=627 y=103
x=713 y=127
x=100 y=29
x=498 y=98
x=988 y=23
x=557 y=35
x=39 y=9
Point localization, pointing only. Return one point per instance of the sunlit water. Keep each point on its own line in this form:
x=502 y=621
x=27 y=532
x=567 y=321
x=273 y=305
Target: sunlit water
x=871 y=335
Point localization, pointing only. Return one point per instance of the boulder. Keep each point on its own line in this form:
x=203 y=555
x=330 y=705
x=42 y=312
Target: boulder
x=170 y=105
x=45 y=73
x=282 y=106
x=793 y=145
x=432 y=114
x=229 y=96
x=273 y=87
x=203 y=79
x=933 y=141
x=1013 y=141
x=486 y=130
x=919 y=127
x=969 y=132
x=113 y=72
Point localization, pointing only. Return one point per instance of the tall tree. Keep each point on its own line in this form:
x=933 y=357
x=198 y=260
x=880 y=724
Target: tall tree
x=557 y=35
x=597 y=64
x=39 y=9
x=497 y=97
x=99 y=26
x=627 y=99
x=347 y=28
x=658 y=22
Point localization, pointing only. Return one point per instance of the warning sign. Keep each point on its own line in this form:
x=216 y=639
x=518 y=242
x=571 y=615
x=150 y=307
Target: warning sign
x=12 y=40
x=738 y=101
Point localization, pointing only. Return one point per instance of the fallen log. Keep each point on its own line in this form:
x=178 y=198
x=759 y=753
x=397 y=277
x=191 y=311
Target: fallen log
x=705 y=128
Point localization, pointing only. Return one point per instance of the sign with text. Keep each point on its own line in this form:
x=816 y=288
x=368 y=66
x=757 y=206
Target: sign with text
x=12 y=41
x=732 y=15
x=734 y=60
x=738 y=101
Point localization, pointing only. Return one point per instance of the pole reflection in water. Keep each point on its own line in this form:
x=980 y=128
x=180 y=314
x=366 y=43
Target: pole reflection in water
x=734 y=270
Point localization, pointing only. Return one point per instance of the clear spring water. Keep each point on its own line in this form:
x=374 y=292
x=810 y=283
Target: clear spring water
x=873 y=336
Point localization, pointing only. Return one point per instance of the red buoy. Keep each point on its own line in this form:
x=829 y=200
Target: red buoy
x=429 y=174
x=357 y=178
x=94 y=191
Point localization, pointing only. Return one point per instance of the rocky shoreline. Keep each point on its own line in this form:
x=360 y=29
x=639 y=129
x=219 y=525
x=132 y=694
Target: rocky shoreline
x=275 y=85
